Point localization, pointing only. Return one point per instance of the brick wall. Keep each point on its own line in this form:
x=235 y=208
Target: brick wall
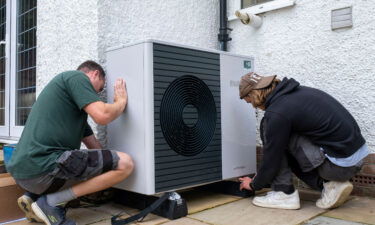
x=364 y=181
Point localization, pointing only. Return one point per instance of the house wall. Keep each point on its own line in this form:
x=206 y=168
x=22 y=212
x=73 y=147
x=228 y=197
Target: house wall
x=67 y=35
x=70 y=32
x=294 y=42
x=298 y=42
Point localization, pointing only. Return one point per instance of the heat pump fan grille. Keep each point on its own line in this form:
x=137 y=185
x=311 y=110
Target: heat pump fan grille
x=188 y=115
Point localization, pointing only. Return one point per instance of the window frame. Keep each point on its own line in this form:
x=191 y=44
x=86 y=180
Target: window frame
x=260 y=8
x=11 y=132
x=4 y=130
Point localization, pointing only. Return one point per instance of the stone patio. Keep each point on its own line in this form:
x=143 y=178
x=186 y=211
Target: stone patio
x=212 y=208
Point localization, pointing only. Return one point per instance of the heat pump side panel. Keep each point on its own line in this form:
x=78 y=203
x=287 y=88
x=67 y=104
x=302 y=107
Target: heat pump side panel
x=130 y=133
x=238 y=119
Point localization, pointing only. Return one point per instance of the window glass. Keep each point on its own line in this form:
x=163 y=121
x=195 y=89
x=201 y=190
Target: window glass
x=26 y=59
x=249 y=3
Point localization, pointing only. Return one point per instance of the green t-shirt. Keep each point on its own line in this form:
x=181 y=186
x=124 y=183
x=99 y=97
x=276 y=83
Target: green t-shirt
x=56 y=123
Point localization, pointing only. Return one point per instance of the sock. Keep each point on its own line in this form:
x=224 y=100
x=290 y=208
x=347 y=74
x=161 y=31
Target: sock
x=60 y=197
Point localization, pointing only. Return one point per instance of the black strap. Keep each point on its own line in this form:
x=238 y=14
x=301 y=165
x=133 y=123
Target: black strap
x=143 y=213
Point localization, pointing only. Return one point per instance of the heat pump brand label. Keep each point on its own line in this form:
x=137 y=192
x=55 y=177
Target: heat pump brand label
x=247 y=64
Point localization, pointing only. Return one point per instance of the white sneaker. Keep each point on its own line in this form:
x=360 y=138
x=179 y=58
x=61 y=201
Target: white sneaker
x=334 y=194
x=278 y=200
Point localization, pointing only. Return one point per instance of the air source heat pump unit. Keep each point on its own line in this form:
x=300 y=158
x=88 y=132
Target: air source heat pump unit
x=184 y=124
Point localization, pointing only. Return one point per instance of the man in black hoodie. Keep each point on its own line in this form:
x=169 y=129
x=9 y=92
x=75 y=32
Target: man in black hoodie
x=307 y=132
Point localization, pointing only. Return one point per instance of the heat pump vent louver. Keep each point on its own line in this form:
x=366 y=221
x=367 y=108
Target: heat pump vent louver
x=188 y=115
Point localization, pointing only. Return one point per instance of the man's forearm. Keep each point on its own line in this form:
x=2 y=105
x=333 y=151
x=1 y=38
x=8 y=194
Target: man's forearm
x=91 y=142
x=104 y=113
x=115 y=109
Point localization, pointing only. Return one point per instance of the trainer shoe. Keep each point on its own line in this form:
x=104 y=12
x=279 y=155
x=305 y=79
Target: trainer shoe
x=51 y=215
x=334 y=194
x=24 y=202
x=278 y=200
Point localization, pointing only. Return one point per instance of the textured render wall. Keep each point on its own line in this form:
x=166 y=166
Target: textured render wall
x=70 y=32
x=192 y=22
x=67 y=35
x=298 y=42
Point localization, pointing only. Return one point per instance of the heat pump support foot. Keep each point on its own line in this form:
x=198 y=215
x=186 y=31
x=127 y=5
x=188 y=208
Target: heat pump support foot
x=228 y=187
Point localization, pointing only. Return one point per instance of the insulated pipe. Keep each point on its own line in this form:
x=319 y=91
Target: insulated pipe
x=250 y=19
x=223 y=35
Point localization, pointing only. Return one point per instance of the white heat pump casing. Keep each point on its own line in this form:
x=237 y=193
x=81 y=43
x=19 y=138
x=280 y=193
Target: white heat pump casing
x=133 y=132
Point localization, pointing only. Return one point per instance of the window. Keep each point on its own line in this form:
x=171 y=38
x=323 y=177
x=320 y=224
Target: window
x=26 y=60
x=17 y=64
x=249 y=3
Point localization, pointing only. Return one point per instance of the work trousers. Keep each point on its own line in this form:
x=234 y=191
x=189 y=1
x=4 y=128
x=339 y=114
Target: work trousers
x=308 y=162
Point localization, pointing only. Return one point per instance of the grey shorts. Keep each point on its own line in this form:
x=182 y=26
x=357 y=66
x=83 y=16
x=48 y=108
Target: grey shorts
x=72 y=167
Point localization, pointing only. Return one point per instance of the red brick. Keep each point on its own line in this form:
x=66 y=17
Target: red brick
x=368 y=169
x=370 y=159
x=259 y=150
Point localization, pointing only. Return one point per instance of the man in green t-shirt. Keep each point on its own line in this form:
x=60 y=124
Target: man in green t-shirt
x=48 y=162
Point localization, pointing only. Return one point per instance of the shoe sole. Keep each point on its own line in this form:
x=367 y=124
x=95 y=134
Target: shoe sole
x=24 y=202
x=40 y=213
x=260 y=204
x=342 y=197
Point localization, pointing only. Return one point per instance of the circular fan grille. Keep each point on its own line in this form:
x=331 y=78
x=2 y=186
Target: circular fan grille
x=188 y=115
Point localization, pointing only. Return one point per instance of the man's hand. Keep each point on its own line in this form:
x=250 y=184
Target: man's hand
x=121 y=94
x=245 y=183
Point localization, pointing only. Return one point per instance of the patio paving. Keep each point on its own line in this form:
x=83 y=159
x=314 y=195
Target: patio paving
x=212 y=208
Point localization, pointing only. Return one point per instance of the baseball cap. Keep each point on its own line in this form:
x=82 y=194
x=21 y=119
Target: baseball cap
x=253 y=81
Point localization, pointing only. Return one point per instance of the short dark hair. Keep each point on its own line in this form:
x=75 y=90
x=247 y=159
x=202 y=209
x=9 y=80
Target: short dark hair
x=90 y=65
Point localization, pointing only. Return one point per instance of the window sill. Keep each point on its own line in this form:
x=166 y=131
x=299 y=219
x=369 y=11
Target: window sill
x=265 y=7
x=9 y=140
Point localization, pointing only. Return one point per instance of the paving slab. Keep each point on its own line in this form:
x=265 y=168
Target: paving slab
x=243 y=212
x=358 y=209
x=322 y=220
x=201 y=200
x=185 y=221
x=86 y=216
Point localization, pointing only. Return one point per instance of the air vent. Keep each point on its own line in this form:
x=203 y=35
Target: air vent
x=364 y=180
x=341 y=18
x=188 y=115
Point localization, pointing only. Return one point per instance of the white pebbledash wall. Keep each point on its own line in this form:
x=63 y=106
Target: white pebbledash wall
x=294 y=42
x=298 y=42
x=70 y=32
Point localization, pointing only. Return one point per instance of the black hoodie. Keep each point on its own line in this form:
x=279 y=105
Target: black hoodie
x=295 y=109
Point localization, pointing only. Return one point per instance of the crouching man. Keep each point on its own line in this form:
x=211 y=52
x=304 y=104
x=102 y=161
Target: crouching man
x=48 y=162
x=307 y=132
